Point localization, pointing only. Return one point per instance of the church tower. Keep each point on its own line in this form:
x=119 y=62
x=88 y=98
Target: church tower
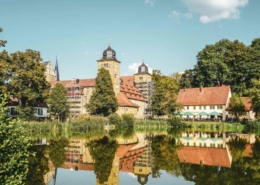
x=57 y=70
x=110 y=63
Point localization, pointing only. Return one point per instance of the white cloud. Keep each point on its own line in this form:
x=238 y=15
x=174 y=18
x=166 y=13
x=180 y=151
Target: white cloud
x=133 y=68
x=178 y=15
x=131 y=175
x=214 y=10
x=149 y=2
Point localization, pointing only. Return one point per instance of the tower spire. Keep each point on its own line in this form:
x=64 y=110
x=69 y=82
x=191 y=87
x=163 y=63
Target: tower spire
x=57 y=70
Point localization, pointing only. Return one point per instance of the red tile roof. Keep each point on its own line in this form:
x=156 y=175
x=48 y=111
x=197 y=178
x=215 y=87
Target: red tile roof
x=247 y=102
x=204 y=96
x=127 y=157
x=124 y=101
x=127 y=87
x=209 y=156
x=71 y=83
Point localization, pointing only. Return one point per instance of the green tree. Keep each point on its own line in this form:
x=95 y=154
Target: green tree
x=27 y=80
x=58 y=106
x=236 y=106
x=38 y=165
x=103 y=101
x=2 y=42
x=57 y=152
x=254 y=92
x=165 y=94
x=103 y=152
x=14 y=146
x=186 y=79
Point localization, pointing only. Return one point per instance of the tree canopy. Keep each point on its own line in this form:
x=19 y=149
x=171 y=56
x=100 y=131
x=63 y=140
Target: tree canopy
x=236 y=106
x=2 y=42
x=225 y=62
x=25 y=78
x=58 y=106
x=254 y=92
x=165 y=93
x=103 y=101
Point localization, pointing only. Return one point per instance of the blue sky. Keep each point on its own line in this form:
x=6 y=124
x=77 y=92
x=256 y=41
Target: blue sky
x=167 y=34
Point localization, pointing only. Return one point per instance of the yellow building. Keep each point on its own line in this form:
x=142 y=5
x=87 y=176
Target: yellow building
x=50 y=73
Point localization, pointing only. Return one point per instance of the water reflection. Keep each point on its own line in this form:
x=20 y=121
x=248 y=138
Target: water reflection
x=197 y=156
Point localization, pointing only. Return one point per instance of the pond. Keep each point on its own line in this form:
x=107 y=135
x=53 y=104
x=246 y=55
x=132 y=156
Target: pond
x=147 y=157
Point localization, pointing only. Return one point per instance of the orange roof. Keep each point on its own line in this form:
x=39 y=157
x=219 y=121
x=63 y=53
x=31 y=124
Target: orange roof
x=71 y=83
x=128 y=80
x=127 y=87
x=128 y=157
x=204 y=96
x=209 y=156
x=247 y=103
x=124 y=101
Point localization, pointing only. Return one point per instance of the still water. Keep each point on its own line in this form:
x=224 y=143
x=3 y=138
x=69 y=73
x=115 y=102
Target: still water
x=147 y=157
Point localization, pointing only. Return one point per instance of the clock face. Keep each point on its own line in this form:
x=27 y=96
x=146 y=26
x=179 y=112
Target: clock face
x=143 y=69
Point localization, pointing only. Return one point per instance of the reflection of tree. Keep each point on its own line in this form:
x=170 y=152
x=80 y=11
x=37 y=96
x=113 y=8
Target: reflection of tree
x=165 y=157
x=237 y=147
x=103 y=152
x=57 y=152
x=124 y=132
x=38 y=166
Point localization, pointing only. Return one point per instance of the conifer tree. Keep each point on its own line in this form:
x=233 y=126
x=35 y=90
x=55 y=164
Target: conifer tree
x=103 y=101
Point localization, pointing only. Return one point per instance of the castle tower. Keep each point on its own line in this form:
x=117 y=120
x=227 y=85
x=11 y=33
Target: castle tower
x=143 y=81
x=110 y=63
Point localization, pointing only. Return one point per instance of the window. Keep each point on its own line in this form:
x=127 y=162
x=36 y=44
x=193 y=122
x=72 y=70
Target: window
x=212 y=107
x=219 y=106
x=115 y=75
x=140 y=78
x=204 y=107
x=194 y=107
x=85 y=98
x=140 y=170
x=200 y=107
x=40 y=112
x=13 y=112
x=187 y=107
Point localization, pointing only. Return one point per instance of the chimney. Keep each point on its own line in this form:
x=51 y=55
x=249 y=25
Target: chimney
x=201 y=89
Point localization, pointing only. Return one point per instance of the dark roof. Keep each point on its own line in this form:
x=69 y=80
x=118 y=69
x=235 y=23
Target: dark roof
x=109 y=54
x=143 y=69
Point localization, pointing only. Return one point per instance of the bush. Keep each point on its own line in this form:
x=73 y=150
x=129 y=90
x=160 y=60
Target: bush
x=128 y=119
x=115 y=119
x=174 y=121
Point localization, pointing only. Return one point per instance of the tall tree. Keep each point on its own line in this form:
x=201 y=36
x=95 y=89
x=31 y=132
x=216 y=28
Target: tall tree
x=236 y=106
x=254 y=92
x=165 y=94
x=27 y=80
x=103 y=101
x=186 y=79
x=58 y=106
x=2 y=65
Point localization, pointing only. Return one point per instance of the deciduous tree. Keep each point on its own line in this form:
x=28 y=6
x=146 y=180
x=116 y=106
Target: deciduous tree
x=58 y=106
x=236 y=106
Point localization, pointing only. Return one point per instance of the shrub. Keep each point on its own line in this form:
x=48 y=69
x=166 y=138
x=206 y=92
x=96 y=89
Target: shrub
x=128 y=119
x=115 y=119
x=174 y=121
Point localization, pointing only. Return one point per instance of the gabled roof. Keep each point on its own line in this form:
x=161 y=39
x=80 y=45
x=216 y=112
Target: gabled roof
x=204 y=96
x=247 y=103
x=206 y=156
x=72 y=83
x=131 y=92
x=124 y=101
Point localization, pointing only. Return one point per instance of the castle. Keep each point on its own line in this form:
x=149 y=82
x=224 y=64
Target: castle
x=133 y=93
